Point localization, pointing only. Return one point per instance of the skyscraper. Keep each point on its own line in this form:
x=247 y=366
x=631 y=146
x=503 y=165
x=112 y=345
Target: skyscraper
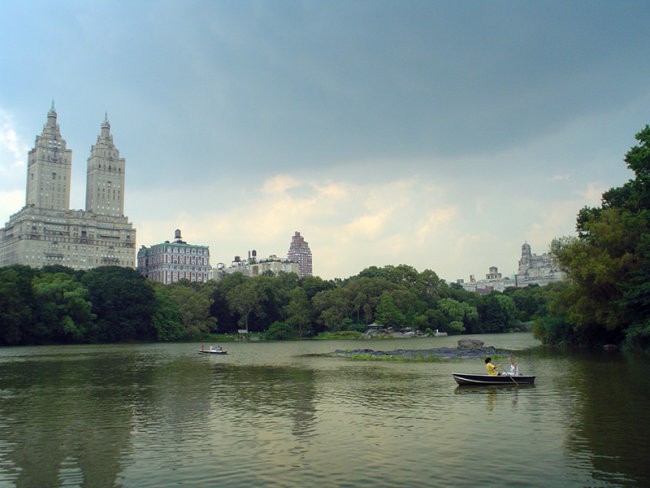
x=300 y=253
x=46 y=231
x=49 y=165
x=105 y=177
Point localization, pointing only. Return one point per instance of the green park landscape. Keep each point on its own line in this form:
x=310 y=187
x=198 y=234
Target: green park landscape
x=605 y=301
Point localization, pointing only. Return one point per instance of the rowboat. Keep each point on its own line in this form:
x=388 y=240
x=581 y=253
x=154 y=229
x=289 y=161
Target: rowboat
x=213 y=351
x=486 y=379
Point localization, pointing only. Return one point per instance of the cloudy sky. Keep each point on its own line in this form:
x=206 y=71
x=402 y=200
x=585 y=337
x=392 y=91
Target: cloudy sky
x=439 y=134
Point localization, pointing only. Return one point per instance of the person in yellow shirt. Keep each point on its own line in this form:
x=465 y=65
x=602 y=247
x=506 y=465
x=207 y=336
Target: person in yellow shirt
x=491 y=368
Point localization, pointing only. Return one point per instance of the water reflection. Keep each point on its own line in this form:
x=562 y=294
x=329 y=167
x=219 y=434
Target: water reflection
x=265 y=392
x=607 y=423
x=160 y=416
x=496 y=395
x=60 y=417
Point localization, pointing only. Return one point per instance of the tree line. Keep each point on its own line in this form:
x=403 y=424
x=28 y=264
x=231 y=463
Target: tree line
x=607 y=300
x=58 y=305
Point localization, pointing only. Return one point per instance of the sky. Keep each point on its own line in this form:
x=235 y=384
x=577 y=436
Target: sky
x=438 y=134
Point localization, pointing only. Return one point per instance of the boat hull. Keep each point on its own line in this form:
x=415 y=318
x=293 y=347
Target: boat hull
x=485 y=379
x=213 y=352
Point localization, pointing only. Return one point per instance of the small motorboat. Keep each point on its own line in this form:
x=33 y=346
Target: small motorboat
x=213 y=351
x=486 y=379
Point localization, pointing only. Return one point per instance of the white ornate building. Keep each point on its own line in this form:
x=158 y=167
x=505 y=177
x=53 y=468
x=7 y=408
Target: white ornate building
x=256 y=267
x=170 y=262
x=493 y=281
x=537 y=270
x=533 y=270
x=46 y=231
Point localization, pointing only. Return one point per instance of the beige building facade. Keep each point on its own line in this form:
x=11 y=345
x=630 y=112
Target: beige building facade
x=46 y=231
x=256 y=267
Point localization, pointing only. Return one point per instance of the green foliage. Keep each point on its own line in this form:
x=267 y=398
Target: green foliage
x=112 y=304
x=193 y=301
x=123 y=302
x=63 y=313
x=166 y=319
x=387 y=312
x=17 y=303
x=497 y=313
x=280 y=331
x=459 y=315
x=609 y=297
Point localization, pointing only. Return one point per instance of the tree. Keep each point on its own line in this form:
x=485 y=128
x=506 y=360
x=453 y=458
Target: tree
x=299 y=312
x=16 y=304
x=124 y=303
x=459 y=312
x=497 y=313
x=192 y=301
x=331 y=307
x=246 y=299
x=607 y=262
x=166 y=319
x=387 y=312
x=63 y=312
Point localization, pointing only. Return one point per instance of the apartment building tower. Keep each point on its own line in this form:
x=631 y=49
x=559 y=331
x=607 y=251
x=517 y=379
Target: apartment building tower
x=300 y=253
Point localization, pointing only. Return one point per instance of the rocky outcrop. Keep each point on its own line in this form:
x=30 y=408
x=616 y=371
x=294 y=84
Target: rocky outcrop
x=464 y=352
x=470 y=344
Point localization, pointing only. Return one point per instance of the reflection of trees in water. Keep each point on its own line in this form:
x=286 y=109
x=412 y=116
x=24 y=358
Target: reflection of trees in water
x=62 y=413
x=62 y=417
x=251 y=393
x=613 y=417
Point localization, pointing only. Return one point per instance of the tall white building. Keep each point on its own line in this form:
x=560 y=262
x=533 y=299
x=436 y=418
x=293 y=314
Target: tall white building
x=537 y=269
x=46 y=231
x=170 y=262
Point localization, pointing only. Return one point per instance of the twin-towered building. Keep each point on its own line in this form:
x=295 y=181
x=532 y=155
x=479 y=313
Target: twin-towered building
x=46 y=231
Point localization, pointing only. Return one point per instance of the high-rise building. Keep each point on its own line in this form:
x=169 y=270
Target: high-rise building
x=300 y=253
x=46 y=231
x=170 y=262
x=105 y=178
x=537 y=269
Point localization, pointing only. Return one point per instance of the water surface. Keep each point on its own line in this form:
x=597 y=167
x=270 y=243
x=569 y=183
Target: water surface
x=277 y=414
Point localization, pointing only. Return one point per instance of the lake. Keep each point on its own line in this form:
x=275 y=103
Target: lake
x=280 y=415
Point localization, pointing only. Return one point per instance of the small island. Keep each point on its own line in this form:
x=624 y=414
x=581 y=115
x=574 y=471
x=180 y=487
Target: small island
x=466 y=349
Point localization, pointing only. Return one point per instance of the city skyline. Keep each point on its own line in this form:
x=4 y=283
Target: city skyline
x=434 y=134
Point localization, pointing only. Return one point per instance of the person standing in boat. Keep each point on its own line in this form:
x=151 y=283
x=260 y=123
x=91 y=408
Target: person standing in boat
x=491 y=368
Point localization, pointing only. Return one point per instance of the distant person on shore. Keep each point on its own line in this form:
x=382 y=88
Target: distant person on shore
x=491 y=368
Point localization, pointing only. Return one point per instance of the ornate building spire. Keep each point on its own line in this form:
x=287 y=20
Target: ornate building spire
x=105 y=175
x=49 y=168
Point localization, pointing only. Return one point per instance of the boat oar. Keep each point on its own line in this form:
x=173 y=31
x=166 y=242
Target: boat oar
x=510 y=376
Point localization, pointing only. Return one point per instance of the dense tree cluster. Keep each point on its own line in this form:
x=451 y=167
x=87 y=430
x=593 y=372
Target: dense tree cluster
x=608 y=262
x=114 y=304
